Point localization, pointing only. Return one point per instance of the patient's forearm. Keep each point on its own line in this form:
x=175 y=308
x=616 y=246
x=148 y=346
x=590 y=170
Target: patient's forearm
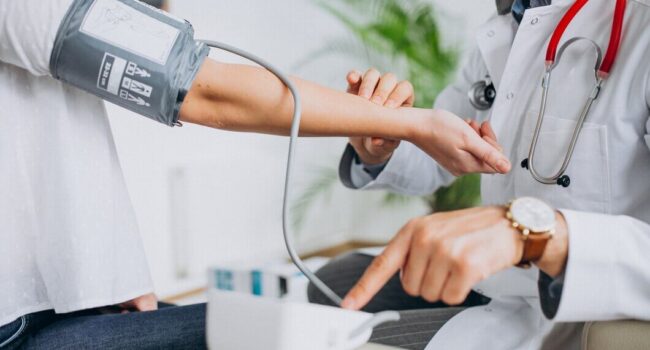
x=246 y=98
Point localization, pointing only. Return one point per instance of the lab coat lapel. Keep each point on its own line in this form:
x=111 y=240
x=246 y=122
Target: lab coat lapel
x=494 y=40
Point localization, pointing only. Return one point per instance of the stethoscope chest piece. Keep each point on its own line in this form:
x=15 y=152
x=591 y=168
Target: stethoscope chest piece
x=482 y=94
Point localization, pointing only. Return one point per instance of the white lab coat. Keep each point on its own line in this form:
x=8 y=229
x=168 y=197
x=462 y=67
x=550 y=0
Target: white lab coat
x=607 y=206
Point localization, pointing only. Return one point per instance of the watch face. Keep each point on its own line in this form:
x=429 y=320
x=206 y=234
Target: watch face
x=533 y=214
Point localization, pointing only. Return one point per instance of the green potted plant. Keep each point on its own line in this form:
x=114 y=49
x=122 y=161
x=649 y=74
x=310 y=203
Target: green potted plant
x=400 y=36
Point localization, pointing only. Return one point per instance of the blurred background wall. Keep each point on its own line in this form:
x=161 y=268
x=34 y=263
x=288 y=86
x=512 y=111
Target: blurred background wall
x=206 y=197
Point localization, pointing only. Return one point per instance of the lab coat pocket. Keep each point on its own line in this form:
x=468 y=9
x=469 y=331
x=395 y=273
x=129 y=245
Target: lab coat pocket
x=588 y=170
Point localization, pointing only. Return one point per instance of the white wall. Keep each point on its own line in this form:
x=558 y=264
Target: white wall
x=226 y=188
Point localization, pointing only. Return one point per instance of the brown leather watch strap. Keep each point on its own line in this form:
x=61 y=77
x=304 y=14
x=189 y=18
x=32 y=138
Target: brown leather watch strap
x=534 y=246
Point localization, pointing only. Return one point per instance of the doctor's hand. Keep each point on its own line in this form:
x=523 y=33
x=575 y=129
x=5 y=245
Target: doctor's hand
x=455 y=144
x=485 y=130
x=442 y=256
x=384 y=90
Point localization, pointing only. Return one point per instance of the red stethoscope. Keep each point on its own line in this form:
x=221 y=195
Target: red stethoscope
x=602 y=70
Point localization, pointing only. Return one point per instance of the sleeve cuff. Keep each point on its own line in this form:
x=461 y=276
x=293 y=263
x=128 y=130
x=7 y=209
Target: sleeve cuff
x=591 y=260
x=353 y=173
x=550 y=293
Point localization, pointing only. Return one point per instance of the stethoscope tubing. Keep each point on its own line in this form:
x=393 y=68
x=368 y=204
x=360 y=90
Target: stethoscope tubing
x=550 y=180
x=601 y=69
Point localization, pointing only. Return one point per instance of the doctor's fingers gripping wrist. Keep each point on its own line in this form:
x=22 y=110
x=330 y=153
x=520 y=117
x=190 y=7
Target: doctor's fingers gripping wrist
x=384 y=90
x=456 y=146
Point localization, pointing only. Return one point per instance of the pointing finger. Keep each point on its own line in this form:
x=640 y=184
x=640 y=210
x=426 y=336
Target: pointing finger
x=380 y=271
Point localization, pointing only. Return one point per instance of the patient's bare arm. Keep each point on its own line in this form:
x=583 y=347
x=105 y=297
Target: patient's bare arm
x=245 y=98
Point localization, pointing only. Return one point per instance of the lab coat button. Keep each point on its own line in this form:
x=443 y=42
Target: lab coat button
x=488 y=309
x=490 y=33
x=510 y=96
x=534 y=21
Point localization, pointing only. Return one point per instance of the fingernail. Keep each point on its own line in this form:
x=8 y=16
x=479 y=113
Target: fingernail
x=391 y=104
x=348 y=303
x=377 y=100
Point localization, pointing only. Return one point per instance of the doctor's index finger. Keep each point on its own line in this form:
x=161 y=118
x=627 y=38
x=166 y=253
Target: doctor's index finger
x=380 y=271
x=489 y=154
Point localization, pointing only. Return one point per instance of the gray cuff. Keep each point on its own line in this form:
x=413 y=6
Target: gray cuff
x=353 y=173
x=550 y=293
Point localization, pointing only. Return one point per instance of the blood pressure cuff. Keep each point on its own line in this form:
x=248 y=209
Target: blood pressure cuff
x=130 y=54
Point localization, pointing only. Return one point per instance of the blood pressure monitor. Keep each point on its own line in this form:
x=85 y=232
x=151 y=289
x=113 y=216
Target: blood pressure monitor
x=130 y=54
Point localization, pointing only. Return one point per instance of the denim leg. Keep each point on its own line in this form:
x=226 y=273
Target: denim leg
x=11 y=332
x=13 y=335
x=180 y=327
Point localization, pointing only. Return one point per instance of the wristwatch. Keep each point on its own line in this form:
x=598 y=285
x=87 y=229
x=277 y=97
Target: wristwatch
x=536 y=221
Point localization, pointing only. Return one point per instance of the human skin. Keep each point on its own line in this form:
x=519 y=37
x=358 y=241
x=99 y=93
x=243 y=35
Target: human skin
x=442 y=256
x=250 y=99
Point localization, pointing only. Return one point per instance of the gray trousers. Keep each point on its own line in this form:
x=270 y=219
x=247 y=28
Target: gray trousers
x=420 y=320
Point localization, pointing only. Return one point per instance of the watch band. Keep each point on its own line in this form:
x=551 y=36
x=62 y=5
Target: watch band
x=534 y=246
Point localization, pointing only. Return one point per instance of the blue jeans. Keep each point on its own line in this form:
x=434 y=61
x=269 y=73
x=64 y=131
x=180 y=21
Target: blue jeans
x=170 y=327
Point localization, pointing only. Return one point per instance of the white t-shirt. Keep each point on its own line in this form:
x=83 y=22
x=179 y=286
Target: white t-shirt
x=68 y=234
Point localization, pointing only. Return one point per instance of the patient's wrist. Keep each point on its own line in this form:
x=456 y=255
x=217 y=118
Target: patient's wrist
x=415 y=124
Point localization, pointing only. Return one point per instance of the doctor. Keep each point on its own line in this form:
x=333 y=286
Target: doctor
x=595 y=266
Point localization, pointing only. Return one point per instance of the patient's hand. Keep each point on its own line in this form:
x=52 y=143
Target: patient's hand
x=384 y=90
x=147 y=302
x=455 y=144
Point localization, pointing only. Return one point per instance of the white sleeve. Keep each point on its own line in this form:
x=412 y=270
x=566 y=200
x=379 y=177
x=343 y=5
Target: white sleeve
x=607 y=275
x=28 y=29
x=411 y=171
